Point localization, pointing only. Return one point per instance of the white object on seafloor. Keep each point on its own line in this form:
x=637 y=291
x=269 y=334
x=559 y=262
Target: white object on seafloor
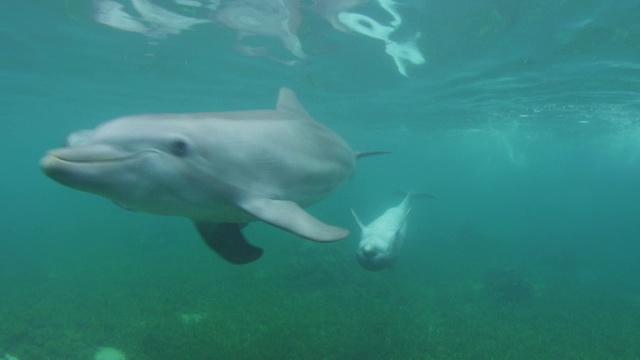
x=109 y=353
x=9 y=357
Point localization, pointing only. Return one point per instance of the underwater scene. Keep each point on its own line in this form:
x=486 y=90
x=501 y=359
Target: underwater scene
x=320 y=179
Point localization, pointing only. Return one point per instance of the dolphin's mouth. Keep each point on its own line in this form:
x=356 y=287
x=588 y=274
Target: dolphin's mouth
x=90 y=154
x=74 y=165
x=53 y=164
x=50 y=158
x=59 y=168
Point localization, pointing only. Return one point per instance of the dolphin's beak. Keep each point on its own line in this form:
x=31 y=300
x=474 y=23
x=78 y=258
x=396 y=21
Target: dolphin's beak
x=88 y=154
x=58 y=169
x=48 y=163
x=75 y=166
x=369 y=252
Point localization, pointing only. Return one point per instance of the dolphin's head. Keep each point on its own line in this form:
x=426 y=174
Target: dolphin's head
x=375 y=253
x=378 y=247
x=140 y=165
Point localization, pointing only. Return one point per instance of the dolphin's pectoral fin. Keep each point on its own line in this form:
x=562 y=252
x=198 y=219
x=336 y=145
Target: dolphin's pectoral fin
x=362 y=226
x=227 y=240
x=289 y=216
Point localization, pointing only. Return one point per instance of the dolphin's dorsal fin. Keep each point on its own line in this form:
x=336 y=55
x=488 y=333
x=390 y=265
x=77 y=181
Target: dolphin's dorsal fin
x=287 y=101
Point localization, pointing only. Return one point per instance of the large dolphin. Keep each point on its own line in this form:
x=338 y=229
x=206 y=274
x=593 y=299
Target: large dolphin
x=220 y=169
x=381 y=241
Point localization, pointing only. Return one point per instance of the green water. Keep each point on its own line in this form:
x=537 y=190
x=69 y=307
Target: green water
x=523 y=122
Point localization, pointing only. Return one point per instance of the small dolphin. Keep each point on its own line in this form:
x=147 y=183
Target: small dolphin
x=382 y=240
x=221 y=169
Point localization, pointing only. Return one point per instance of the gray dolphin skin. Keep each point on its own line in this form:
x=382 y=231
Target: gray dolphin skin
x=381 y=241
x=220 y=169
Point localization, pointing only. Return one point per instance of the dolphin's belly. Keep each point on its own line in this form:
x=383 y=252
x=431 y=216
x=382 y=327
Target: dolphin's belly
x=190 y=204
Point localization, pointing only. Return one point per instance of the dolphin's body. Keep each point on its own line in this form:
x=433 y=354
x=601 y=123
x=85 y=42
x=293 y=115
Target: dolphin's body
x=381 y=241
x=222 y=170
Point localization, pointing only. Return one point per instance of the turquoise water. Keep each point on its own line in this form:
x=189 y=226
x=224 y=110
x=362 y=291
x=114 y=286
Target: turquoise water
x=522 y=122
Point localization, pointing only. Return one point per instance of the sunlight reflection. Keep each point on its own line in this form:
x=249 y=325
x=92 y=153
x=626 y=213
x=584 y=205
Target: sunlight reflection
x=278 y=19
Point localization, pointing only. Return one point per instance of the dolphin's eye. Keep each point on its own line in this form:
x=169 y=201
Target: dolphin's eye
x=179 y=147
